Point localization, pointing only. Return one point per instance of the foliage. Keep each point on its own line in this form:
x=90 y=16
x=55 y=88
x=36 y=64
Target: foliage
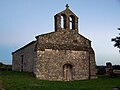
x=26 y=81
x=5 y=67
x=1 y=63
x=116 y=40
x=101 y=70
x=116 y=67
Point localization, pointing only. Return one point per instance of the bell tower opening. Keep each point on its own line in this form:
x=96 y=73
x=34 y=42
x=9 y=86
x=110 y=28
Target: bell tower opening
x=63 y=21
x=72 y=22
x=66 y=20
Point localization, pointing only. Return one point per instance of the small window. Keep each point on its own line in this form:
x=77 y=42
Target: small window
x=22 y=62
x=75 y=41
x=42 y=49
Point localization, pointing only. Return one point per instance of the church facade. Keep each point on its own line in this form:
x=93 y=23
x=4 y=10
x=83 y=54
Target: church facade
x=60 y=55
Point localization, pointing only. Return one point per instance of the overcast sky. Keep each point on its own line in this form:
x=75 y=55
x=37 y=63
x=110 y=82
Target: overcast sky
x=22 y=20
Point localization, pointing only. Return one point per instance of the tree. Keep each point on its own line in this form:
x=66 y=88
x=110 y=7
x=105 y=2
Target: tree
x=1 y=63
x=116 y=41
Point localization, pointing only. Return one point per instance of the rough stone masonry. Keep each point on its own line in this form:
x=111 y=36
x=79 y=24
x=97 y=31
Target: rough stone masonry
x=60 y=55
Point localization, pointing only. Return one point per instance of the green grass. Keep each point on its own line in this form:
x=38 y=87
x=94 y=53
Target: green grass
x=0 y=81
x=26 y=81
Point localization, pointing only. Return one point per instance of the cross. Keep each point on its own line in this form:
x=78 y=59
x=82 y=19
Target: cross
x=67 y=6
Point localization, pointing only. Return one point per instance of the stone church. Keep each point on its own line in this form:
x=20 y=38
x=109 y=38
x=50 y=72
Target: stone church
x=60 y=55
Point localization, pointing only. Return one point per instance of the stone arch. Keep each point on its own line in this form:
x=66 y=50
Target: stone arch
x=57 y=19
x=72 y=22
x=63 y=21
x=67 y=72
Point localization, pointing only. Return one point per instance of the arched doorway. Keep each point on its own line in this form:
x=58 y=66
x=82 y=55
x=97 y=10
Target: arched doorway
x=67 y=72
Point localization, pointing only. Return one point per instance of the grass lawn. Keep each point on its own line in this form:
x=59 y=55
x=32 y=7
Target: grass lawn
x=0 y=81
x=10 y=80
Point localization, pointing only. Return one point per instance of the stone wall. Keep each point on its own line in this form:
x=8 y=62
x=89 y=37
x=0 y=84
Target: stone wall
x=51 y=62
x=27 y=54
x=56 y=49
x=63 y=39
x=93 y=70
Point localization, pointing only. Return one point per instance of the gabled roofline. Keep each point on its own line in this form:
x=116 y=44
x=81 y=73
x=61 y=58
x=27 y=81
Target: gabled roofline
x=24 y=47
x=44 y=34
x=85 y=37
x=67 y=9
